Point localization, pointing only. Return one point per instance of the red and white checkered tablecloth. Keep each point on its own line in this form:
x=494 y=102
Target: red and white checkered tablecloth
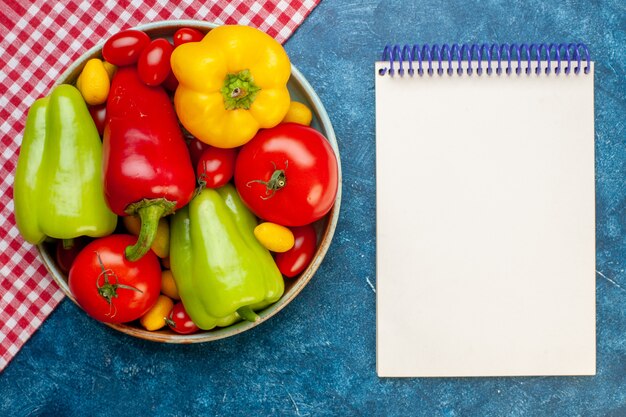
x=40 y=39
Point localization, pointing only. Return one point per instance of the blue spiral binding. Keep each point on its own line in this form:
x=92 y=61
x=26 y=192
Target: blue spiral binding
x=510 y=55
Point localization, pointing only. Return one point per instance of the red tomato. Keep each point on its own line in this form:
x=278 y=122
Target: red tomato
x=216 y=166
x=154 y=63
x=124 y=47
x=196 y=149
x=179 y=320
x=109 y=287
x=287 y=174
x=65 y=257
x=296 y=259
x=98 y=114
x=184 y=35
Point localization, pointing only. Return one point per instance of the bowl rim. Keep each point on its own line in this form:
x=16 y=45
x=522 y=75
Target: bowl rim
x=324 y=243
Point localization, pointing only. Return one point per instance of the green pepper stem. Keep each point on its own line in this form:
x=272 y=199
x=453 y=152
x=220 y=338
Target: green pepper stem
x=239 y=90
x=150 y=216
x=68 y=244
x=248 y=314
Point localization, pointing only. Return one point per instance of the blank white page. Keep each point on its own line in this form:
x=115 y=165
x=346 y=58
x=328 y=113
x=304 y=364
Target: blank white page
x=485 y=224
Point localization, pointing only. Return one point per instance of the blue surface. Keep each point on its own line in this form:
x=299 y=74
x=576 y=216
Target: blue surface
x=317 y=357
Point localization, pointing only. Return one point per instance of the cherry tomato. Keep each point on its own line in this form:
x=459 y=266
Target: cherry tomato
x=109 y=287
x=196 y=149
x=296 y=259
x=65 y=257
x=125 y=47
x=287 y=175
x=154 y=62
x=184 y=35
x=179 y=320
x=216 y=166
x=98 y=114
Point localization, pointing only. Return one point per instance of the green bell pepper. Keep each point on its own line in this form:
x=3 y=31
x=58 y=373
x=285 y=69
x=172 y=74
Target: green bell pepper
x=58 y=180
x=221 y=271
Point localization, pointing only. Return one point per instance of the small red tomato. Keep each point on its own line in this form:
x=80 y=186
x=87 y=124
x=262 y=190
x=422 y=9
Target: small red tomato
x=124 y=47
x=98 y=114
x=109 y=287
x=196 y=149
x=179 y=320
x=216 y=166
x=154 y=62
x=65 y=257
x=296 y=259
x=184 y=35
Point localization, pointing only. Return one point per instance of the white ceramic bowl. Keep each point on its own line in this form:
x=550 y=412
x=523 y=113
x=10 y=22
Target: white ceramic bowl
x=301 y=91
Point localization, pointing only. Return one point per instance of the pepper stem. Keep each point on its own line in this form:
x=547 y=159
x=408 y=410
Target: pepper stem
x=150 y=215
x=248 y=314
x=68 y=244
x=239 y=90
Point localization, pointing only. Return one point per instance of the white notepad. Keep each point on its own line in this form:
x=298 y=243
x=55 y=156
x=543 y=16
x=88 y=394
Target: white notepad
x=485 y=223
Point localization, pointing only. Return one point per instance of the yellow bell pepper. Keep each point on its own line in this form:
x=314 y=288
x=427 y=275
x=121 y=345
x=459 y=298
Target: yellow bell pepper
x=231 y=84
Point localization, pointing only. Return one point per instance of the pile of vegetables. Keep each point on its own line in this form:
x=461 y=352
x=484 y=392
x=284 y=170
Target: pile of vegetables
x=216 y=174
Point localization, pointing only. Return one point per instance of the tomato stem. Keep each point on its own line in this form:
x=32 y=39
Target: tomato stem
x=169 y=321
x=277 y=181
x=107 y=290
x=202 y=178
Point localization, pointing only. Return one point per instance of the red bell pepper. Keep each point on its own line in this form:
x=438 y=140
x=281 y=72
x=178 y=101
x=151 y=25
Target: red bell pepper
x=147 y=169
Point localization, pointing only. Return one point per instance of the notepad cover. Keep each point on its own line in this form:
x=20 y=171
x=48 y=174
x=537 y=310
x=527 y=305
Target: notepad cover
x=485 y=225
